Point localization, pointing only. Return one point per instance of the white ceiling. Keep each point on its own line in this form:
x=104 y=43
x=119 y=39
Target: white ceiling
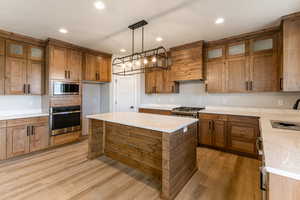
x=176 y=21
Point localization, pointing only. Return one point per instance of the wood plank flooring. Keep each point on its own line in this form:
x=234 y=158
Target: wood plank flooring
x=66 y=174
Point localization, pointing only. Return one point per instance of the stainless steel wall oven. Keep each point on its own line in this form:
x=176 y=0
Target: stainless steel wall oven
x=64 y=120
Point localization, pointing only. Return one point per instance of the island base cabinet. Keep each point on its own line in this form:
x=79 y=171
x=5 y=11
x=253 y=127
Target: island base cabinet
x=170 y=158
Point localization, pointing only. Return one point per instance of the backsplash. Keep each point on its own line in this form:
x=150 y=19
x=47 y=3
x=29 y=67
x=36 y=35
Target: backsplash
x=20 y=104
x=193 y=94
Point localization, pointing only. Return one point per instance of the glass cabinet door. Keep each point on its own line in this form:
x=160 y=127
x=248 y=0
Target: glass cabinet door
x=236 y=49
x=36 y=53
x=262 y=45
x=15 y=49
x=215 y=53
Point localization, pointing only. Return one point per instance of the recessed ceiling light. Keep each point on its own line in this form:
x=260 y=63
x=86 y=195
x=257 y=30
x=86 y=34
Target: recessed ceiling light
x=159 y=39
x=219 y=20
x=123 y=50
x=63 y=30
x=99 y=5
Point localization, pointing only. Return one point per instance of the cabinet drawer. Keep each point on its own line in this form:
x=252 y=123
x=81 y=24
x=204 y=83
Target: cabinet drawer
x=241 y=146
x=243 y=131
x=244 y=119
x=26 y=121
x=2 y=124
x=213 y=117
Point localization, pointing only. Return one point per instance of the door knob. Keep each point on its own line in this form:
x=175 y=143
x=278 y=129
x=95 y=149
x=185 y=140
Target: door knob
x=131 y=107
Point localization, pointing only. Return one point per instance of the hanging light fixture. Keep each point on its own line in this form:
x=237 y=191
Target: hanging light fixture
x=140 y=62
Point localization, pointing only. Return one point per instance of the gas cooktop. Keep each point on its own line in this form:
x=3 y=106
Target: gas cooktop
x=192 y=111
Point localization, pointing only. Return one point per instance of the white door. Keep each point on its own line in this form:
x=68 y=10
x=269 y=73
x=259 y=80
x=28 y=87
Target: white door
x=126 y=93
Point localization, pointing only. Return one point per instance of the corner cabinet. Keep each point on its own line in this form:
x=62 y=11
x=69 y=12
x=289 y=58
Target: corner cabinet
x=96 y=68
x=187 y=62
x=26 y=135
x=291 y=54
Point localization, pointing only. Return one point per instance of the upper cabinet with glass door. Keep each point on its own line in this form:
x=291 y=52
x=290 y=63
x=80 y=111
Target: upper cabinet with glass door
x=215 y=53
x=237 y=49
x=263 y=45
x=35 y=53
x=15 y=49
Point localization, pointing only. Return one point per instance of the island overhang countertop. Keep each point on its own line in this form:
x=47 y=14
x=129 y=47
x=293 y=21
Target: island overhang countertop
x=167 y=124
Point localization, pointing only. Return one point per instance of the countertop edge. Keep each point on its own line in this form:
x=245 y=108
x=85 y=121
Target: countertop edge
x=283 y=173
x=21 y=116
x=145 y=127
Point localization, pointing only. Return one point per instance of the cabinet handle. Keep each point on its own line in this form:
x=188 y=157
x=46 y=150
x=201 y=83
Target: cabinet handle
x=213 y=125
x=281 y=84
x=24 y=88
x=28 y=89
x=28 y=130
x=247 y=85
x=173 y=90
x=251 y=85
x=209 y=125
x=69 y=74
x=66 y=76
x=32 y=130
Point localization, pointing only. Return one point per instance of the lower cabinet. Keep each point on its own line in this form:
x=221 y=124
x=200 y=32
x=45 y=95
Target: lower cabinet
x=2 y=140
x=26 y=135
x=236 y=134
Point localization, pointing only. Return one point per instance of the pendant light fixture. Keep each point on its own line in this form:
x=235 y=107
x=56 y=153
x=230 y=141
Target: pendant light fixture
x=140 y=62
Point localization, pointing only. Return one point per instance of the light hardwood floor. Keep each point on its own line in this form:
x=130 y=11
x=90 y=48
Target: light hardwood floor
x=65 y=173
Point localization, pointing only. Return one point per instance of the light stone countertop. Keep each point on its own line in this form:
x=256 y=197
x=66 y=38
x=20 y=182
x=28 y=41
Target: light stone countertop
x=281 y=147
x=163 y=123
x=8 y=115
x=159 y=106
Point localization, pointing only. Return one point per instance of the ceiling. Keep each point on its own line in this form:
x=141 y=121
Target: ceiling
x=176 y=21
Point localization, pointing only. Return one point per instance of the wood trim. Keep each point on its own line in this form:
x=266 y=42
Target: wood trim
x=244 y=36
x=21 y=38
x=55 y=42
x=291 y=16
x=187 y=46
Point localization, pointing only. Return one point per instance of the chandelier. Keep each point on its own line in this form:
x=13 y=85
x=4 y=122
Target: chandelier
x=143 y=61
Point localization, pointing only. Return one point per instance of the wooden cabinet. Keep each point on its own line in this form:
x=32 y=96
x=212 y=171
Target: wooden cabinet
x=74 y=65
x=16 y=49
x=187 y=62
x=35 y=53
x=58 y=63
x=291 y=54
x=2 y=74
x=65 y=64
x=237 y=75
x=39 y=138
x=231 y=133
x=15 y=72
x=246 y=66
x=264 y=67
x=97 y=68
x=212 y=131
x=26 y=135
x=17 y=140
x=160 y=81
x=35 y=77
x=215 y=76
x=2 y=140
x=2 y=47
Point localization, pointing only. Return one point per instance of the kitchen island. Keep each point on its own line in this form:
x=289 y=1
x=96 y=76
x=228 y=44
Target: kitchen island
x=163 y=147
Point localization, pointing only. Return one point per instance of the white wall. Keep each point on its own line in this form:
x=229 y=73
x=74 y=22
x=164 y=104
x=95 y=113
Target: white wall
x=193 y=94
x=20 y=104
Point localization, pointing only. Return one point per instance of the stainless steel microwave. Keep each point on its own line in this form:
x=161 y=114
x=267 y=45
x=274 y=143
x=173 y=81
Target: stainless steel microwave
x=66 y=88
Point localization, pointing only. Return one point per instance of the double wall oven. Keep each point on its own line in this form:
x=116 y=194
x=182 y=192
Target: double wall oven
x=65 y=117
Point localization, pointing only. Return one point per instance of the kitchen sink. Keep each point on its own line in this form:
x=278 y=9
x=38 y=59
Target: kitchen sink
x=294 y=126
